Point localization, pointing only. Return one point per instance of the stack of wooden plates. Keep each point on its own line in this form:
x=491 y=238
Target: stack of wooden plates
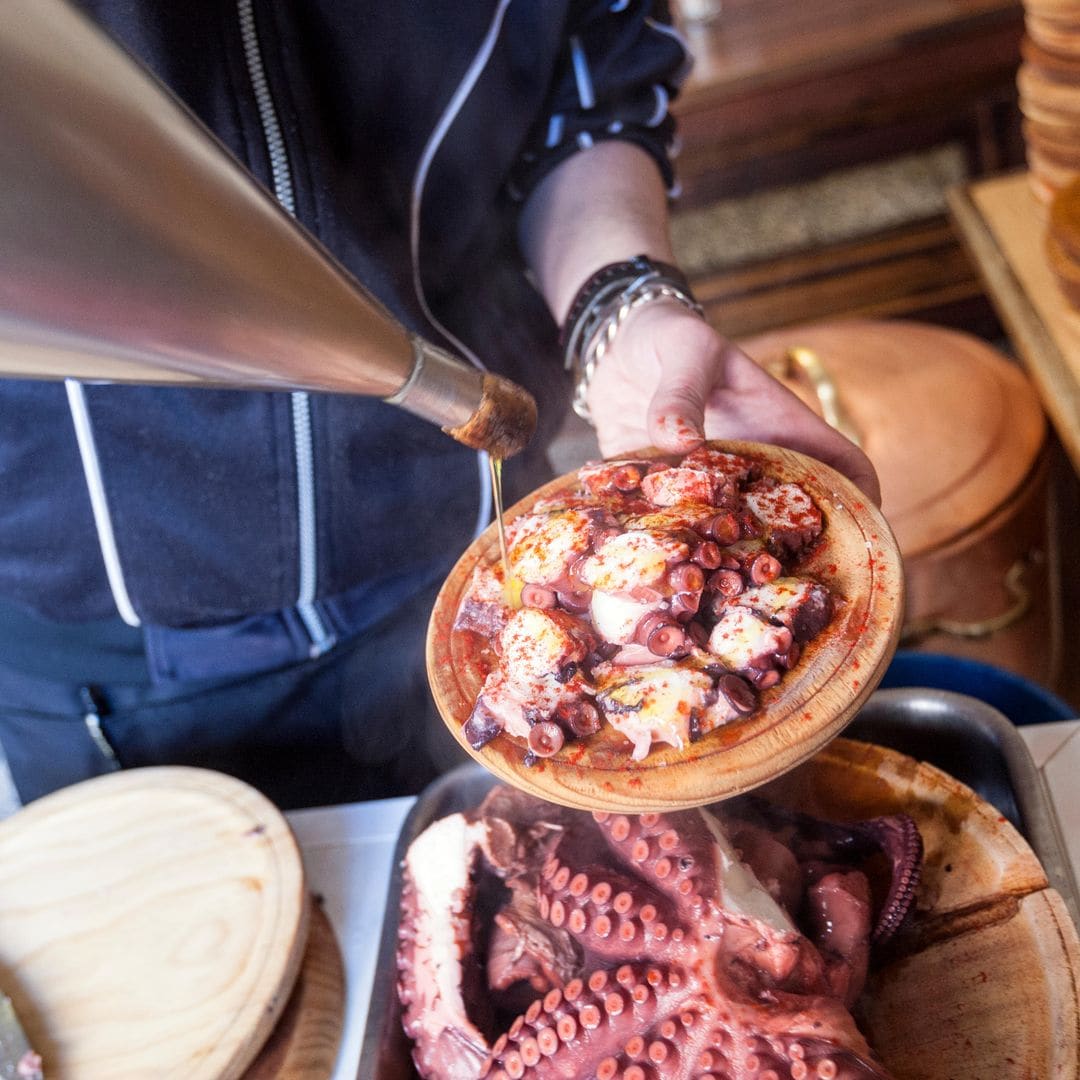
x=153 y=923
x=1049 y=85
x=1063 y=241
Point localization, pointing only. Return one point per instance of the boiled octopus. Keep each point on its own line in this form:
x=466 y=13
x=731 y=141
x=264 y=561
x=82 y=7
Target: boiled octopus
x=659 y=597
x=718 y=944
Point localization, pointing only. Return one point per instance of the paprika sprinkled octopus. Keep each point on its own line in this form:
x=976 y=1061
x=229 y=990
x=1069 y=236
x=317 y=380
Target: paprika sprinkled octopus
x=659 y=597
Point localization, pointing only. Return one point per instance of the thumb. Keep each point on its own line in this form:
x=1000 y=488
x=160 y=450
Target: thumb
x=676 y=414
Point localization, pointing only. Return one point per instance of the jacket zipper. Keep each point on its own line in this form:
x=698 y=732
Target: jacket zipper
x=94 y=708
x=303 y=447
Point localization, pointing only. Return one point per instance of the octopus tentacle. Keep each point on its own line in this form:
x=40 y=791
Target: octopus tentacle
x=894 y=835
x=611 y=914
x=899 y=838
x=738 y=1047
x=458 y=1037
x=609 y=1008
x=659 y=947
x=663 y=1050
x=677 y=856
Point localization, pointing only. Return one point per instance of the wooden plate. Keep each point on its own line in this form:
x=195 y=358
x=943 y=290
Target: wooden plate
x=985 y=980
x=859 y=562
x=152 y=924
x=305 y=1041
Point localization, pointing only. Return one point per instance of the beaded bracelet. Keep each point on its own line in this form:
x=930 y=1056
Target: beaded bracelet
x=604 y=303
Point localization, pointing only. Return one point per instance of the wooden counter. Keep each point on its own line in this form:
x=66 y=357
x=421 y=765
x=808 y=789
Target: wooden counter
x=1002 y=225
x=786 y=95
x=784 y=89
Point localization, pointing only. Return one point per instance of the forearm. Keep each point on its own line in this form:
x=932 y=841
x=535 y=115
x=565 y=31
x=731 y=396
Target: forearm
x=599 y=206
x=669 y=378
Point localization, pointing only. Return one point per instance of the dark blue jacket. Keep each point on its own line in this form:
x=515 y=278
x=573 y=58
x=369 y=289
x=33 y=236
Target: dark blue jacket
x=409 y=133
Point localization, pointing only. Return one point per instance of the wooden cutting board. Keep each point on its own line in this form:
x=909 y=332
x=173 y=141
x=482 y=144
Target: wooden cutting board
x=305 y=1041
x=152 y=924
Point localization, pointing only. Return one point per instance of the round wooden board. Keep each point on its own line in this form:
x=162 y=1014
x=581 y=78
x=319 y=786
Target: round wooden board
x=985 y=979
x=152 y=923
x=859 y=561
x=304 y=1043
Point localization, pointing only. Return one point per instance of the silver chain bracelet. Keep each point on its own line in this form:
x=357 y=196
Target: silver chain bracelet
x=596 y=329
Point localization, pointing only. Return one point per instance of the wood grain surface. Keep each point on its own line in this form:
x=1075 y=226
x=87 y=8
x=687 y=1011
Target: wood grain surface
x=757 y=41
x=915 y=271
x=152 y=924
x=304 y=1043
x=783 y=91
x=859 y=562
x=1003 y=226
x=985 y=981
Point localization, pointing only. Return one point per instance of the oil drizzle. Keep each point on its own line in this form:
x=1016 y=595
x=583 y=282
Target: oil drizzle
x=511 y=585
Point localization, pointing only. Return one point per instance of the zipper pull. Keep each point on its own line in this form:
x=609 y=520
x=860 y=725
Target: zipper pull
x=94 y=708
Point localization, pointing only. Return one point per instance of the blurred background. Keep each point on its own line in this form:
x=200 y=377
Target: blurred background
x=823 y=150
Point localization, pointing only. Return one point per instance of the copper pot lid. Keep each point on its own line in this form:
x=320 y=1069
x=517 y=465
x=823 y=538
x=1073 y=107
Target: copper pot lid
x=952 y=425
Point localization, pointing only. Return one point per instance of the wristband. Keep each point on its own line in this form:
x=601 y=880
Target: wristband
x=601 y=306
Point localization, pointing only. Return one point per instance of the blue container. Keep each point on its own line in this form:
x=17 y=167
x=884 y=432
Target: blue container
x=1020 y=699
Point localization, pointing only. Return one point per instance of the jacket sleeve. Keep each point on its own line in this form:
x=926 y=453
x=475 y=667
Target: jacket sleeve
x=621 y=64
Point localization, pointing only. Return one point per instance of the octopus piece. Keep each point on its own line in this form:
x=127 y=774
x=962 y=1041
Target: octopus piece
x=660 y=703
x=483 y=608
x=678 y=484
x=745 y=642
x=639 y=576
x=686 y=518
x=744 y=565
x=541 y=655
x=704 y=457
x=654 y=626
x=804 y=607
x=617 y=619
x=788 y=516
x=697 y=523
x=613 y=478
x=838 y=918
x=543 y=547
x=635 y=565
x=538 y=645
x=617 y=946
x=433 y=946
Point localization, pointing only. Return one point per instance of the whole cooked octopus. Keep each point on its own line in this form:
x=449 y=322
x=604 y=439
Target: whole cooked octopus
x=717 y=944
x=659 y=597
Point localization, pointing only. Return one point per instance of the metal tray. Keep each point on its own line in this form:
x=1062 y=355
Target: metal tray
x=960 y=735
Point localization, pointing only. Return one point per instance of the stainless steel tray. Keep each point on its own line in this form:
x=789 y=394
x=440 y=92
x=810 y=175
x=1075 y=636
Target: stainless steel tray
x=960 y=735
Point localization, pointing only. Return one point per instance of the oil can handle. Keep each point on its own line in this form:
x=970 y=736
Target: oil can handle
x=1019 y=593
x=806 y=362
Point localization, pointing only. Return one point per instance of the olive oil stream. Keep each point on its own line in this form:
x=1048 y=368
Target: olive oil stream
x=511 y=584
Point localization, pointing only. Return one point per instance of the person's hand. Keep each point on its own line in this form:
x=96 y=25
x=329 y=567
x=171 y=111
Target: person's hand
x=670 y=380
